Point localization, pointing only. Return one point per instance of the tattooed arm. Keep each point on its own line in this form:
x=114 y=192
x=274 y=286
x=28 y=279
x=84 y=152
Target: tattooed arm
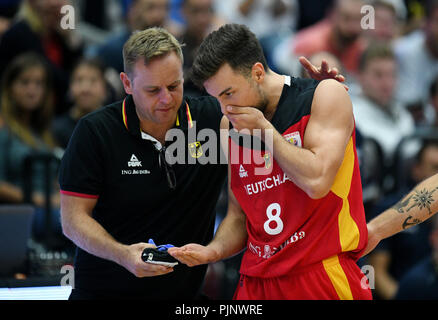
x=417 y=206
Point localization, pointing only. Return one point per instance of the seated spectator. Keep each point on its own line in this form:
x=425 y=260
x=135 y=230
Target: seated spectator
x=394 y=256
x=312 y=11
x=340 y=34
x=263 y=17
x=430 y=114
x=175 y=12
x=200 y=21
x=415 y=11
x=88 y=90
x=8 y=9
x=417 y=56
x=141 y=14
x=26 y=109
x=421 y=281
x=272 y=21
x=38 y=29
x=386 y=26
x=377 y=114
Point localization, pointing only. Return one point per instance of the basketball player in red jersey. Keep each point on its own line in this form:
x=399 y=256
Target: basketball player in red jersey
x=299 y=213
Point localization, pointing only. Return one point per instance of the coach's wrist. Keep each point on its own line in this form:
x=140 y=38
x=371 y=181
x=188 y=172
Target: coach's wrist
x=121 y=254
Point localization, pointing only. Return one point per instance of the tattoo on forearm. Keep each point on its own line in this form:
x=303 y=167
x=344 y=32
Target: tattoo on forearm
x=401 y=205
x=421 y=199
x=407 y=223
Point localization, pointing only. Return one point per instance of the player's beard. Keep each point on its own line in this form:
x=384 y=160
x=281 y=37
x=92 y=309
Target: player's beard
x=262 y=102
x=262 y=105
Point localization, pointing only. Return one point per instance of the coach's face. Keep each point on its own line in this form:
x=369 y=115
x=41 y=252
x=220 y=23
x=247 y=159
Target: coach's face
x=157 y=89
x=232 y=88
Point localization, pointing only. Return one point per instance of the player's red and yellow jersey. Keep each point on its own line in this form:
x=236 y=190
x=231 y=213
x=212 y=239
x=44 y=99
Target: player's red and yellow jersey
x=288 y=230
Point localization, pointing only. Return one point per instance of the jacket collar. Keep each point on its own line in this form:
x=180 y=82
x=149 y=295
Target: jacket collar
x=131 y=121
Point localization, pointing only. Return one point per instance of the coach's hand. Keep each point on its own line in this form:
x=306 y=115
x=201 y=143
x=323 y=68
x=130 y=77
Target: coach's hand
x=132 y=261
x=193 y=254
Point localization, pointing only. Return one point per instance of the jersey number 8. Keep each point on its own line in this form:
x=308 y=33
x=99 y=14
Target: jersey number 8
x=273 y=213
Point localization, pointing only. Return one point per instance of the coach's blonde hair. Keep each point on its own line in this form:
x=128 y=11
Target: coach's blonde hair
x=148 y=44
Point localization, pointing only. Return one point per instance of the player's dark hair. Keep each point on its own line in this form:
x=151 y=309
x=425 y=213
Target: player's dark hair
x=234 y=44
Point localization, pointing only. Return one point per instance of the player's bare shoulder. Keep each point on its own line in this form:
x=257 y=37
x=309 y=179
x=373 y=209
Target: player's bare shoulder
x=332 y=101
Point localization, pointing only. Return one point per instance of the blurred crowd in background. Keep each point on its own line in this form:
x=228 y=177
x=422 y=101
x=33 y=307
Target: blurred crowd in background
x=52 y=76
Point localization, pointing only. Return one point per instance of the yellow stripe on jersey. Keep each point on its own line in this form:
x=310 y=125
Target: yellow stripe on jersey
x=342 y=184
x=348 y=229
x=338 y=278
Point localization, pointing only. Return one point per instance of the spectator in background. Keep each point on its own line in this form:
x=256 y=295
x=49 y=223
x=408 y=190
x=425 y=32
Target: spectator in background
x=415 y=12
x=339 y=34
x=263 y=17
x=141 y=14
x=431 y=110
x=175 y=12
x=39 y=30
x=377 y=114
x=27 y=109
x=272 y=21
x=421 y=281
x=8 y=9
x=105 y=15
x=88 y=90
x=417 y=56
x=394 y=256
x=311 y=12
x=200 y=21
x=386 y=27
